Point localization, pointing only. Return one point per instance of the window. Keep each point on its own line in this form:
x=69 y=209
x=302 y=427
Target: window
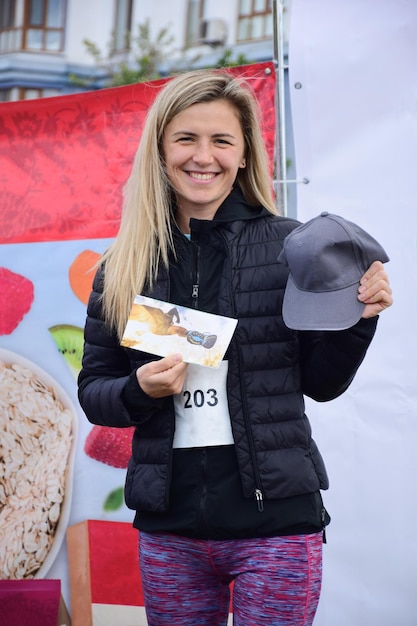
x=255 y=20
x=194 y=16
x=32 y=25
x=22 y=93
x=5 y=95
x=10 y=37
x=31 y=93
x=7 y=9
x=44 y=27
x=123 y=25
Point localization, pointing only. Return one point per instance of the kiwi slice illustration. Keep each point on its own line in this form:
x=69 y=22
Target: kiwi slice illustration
x=69 y=340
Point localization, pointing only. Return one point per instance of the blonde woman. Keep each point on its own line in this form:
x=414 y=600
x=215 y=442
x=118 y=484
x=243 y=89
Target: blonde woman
x=226 y=489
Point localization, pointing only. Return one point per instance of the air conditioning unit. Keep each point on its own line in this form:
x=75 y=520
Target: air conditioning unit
x=213 y=32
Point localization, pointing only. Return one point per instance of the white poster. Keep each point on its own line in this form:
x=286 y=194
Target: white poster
x=353 y=92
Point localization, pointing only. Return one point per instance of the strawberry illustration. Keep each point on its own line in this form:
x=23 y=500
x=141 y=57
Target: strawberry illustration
x=111 y=446
x=16 y=297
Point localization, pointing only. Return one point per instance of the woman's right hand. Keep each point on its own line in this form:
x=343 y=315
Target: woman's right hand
x=162 y=378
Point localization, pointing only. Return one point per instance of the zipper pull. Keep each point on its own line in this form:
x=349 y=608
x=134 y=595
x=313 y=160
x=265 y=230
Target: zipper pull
x=259 y=499
x=194 y=293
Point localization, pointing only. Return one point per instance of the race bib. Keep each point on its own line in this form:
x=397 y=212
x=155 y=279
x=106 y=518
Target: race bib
x=201 y=410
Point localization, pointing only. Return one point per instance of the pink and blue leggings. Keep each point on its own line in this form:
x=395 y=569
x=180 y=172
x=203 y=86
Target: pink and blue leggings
x=186 y=582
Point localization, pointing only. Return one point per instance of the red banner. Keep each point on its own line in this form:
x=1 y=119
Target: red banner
x=64 y=160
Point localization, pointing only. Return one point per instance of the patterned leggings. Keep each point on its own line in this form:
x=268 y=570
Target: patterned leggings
x=276 y=581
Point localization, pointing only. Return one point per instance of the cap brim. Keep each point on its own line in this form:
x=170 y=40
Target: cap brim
x=327 y=310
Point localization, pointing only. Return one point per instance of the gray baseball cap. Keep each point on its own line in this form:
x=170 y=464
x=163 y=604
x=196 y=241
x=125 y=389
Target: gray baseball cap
x=326 y=256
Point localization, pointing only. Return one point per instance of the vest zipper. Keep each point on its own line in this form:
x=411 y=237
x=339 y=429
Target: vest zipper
x=195 y=289
x=195 y=277
x=203 y=494
x=259 y=499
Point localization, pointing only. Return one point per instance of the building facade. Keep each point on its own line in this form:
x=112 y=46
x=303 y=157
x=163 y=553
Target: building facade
x=43 y=51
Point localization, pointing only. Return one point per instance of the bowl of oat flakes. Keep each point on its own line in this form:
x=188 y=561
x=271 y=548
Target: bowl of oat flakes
x=38 y=431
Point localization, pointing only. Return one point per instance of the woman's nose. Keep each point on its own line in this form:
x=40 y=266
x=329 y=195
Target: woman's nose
x=203 y=153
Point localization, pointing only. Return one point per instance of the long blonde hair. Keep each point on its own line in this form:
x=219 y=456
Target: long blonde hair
x=145 y=239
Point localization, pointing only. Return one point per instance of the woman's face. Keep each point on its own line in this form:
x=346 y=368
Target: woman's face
x=203 y=149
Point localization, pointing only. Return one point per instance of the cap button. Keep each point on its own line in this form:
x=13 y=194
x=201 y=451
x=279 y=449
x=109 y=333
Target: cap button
x=324 y=213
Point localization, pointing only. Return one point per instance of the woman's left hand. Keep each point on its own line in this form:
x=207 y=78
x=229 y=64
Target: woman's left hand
x=374 y=290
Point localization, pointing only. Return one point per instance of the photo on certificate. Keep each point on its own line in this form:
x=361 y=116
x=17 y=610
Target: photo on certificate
x=163 y=328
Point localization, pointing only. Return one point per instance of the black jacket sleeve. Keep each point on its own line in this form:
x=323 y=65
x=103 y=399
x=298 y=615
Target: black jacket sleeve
x=108 y=390
x=329 y=360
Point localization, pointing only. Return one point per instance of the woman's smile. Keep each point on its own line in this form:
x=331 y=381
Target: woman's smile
x=202 y=176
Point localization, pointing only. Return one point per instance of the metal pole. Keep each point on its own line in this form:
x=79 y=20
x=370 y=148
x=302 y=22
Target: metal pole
x=281 y=153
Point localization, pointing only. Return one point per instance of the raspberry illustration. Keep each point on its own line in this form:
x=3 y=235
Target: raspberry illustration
x=16 y=298
x=111 y=446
